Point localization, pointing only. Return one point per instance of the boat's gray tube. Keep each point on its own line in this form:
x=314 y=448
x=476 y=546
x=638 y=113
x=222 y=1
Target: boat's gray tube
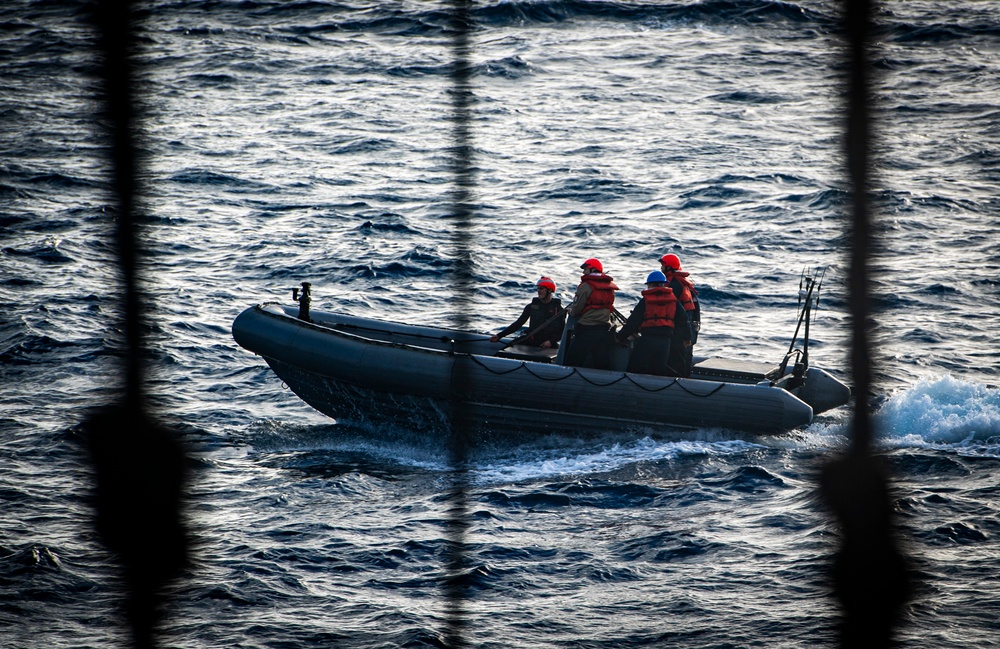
x=337 y=371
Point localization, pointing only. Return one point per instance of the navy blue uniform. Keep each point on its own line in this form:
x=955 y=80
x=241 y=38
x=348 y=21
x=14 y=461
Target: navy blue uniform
x=537 y=313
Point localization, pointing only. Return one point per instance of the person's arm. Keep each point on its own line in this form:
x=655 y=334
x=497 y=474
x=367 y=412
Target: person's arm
x=682 y=326
x=634 y=321
x=695 y=321
x=580 y=301
x=517 y=324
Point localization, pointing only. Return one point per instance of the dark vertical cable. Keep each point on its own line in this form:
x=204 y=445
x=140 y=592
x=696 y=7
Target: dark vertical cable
x=870 y=575
x=139 y=466
x=115 y=25
x=462 y=215
x=858 y=147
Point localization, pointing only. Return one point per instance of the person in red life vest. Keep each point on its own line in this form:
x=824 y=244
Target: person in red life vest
x=682 y=356
x=658 y=319
x=545 y=315
x=592 y=304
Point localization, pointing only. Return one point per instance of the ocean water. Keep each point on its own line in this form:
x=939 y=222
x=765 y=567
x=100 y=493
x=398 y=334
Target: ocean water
x=312 y=141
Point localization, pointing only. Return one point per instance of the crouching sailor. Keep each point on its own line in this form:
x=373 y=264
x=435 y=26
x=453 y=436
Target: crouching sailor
x=657 y=319
x=545 y=316
x=594 y=298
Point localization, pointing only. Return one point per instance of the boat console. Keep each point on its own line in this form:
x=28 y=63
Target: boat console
x=734 y=371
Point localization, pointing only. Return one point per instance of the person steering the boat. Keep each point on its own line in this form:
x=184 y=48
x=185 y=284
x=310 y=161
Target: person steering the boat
x=682 y=355
x=595 y=296
x=658 y=320
x=545 y=315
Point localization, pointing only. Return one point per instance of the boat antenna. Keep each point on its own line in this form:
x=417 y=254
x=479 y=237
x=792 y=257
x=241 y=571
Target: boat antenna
x=814 y=282
x=810 y=284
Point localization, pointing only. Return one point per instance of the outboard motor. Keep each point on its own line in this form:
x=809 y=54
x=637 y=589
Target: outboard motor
x=304 y=300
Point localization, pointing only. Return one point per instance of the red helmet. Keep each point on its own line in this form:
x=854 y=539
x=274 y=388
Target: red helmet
x=593 y=263
x=672 y=262
x=546 y=282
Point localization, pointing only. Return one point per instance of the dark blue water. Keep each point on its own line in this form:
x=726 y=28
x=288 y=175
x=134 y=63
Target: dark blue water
x=309 y=141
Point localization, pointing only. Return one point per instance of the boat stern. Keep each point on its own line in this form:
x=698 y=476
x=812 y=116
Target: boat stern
x=822 y=390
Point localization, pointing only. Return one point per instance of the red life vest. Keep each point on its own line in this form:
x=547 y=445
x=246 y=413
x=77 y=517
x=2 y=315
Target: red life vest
x=661 y=305
x=602 y=294
x=688 y=291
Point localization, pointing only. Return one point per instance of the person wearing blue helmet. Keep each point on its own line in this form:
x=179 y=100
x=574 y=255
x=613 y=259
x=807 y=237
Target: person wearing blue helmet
x=658 y=321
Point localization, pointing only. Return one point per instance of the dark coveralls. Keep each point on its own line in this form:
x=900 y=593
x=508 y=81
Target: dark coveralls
x=592 y=340
x=538 y=313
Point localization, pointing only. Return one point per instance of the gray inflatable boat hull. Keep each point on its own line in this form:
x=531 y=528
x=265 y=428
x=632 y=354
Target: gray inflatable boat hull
x=376 y=372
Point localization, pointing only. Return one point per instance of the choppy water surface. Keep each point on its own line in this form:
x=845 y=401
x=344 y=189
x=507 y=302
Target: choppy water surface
x=309 y=141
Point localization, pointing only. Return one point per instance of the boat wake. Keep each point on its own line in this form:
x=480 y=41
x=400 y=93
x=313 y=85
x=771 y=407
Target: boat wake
x=604 y=458
x=943 y=413
x=498 y=461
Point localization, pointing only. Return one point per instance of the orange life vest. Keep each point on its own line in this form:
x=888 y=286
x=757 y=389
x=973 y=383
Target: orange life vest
x=688 y=291
x=602 y=295
x=661 y=305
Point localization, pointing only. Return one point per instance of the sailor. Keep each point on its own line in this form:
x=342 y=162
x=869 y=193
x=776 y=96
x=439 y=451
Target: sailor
x=595 y=296
x=545 y=315
x=656 y=318
x=682 y=354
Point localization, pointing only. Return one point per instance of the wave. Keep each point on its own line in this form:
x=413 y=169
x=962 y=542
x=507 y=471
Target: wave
x=495 y=461
x=10 y=194
x=394 y=228
x=24 y=349
x=965 y=23
x=47 y=252
x=62 y=181
x=747 y=97
x=756 y=11
x=31 y=559
x=312 y=18
x=510 y=67
x=945 y=412
x=393 y=270
x=563 y=459
x=213 y=178
x=591 y=190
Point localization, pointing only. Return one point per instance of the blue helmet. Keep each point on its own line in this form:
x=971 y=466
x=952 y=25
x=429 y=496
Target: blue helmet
x=656 y=276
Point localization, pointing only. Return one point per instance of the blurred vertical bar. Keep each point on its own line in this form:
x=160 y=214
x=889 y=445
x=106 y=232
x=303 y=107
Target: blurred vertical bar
x=139 y=466
x=870 y=573
x=462 y=215
x=858 y=146
x=114 y=21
